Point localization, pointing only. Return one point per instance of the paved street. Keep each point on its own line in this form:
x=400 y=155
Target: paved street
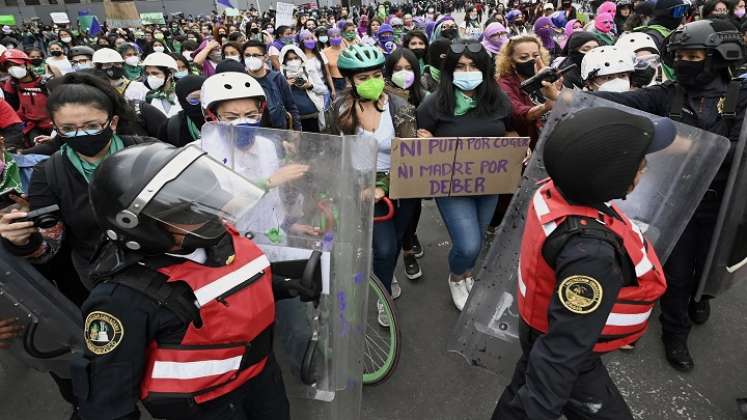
x=430 y=383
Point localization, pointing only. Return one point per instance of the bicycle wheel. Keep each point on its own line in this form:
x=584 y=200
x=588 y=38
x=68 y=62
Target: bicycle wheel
x=382 y=344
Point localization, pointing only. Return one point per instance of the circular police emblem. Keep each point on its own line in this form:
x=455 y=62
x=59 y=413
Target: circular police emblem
x=580 y=294
x=103 y=332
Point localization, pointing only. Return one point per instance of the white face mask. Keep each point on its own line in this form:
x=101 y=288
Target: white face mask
x=158 y=49
x=187 y=55
x=323 y=39
x=18 y=72
x=294 y=64
x=615 y=85
x=132 y=60
x=66 y=40
x=253 y=63
x=83 y=66
x=234 y=58
x=155 y=82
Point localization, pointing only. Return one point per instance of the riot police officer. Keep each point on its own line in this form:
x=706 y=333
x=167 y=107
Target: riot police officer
x=704 y=55
x=588 y=279
x=182 y=313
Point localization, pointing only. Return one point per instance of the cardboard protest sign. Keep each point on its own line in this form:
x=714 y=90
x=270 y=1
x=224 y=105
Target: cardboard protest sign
x=155 y=18
x=233 y=12
x=284 y=14
x=121 y=14
x=456 y=166
x=59 y=18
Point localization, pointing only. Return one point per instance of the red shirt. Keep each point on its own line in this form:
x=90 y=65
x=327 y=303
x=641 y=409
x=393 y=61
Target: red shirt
x=521 y=103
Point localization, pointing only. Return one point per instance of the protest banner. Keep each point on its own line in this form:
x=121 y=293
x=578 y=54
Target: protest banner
x=9 y=20
x=60 y=18
x=155 y=18
x=284 y=14
x=456 y=166
x=121 y=14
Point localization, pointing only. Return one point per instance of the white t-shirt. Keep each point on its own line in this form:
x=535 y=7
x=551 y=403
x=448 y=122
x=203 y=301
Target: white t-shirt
x=383 y=135
x=316 y=75
x=64 y=65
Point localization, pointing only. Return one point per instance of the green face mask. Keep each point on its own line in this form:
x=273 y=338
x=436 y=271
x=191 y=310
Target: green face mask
x=350 y=36
x=370 y=89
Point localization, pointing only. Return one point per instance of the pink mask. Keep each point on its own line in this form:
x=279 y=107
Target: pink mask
x=607 y=7
x=739 y=13
x=604 y=23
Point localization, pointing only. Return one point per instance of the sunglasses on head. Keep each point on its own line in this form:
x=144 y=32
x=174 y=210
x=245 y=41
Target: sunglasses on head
x=459 y=47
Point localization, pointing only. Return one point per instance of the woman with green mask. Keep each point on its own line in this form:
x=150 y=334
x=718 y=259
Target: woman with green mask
x=467 y=103
x=350 y=35
x=131 y=55
x=367 y=111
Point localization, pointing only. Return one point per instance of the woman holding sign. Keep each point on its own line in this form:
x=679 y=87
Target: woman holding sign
x=467 y=103
x=368 y=111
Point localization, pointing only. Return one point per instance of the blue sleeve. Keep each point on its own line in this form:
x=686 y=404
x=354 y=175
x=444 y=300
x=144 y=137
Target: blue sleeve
x=288 y=101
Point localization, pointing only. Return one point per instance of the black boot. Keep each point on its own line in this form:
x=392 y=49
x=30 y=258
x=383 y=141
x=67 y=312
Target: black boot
x=678 y=354
x=699 y=311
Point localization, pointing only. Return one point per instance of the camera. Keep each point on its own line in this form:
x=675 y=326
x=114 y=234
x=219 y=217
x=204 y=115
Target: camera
x=45 y=217
x=548 y=74
x=299 y=82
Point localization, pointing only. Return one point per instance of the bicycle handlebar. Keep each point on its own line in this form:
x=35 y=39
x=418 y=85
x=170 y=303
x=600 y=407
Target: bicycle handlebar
x=390 y=211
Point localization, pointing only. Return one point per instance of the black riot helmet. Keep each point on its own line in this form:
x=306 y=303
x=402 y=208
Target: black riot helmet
x=719 y=38
x=144 y=196
x=594 y=154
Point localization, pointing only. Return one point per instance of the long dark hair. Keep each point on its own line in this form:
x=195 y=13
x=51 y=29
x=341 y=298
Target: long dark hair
x=86 y=89
x=487 y=95
x=416 y=93
x=416 y=34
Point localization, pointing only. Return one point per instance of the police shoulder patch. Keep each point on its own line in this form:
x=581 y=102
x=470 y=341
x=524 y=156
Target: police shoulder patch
x=103 y=332
x=580 y=294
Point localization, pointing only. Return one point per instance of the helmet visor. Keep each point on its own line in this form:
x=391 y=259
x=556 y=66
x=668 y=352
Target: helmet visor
x=679 y=11
x=204 y=197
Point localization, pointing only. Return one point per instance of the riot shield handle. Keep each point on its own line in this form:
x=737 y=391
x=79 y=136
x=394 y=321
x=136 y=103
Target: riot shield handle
x=389 y=211
x=33 y=351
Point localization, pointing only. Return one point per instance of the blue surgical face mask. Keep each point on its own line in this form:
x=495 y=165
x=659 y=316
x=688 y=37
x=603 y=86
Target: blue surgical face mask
x=181 y=74
x=245 y=131
x=467 y=80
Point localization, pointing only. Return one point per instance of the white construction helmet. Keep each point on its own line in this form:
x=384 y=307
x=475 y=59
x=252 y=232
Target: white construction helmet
x=636 y=41
x=602 y=61
x=107 y=56
x=159 y=59
x=228 y=86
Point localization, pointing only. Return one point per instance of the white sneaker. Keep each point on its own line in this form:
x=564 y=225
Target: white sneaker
x=469 y=282
x=383 y=316
x=396 y=288
x=459 y=293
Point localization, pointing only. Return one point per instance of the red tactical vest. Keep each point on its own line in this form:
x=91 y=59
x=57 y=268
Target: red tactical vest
x=32 y=98
x=628 y=319
x=208 y=362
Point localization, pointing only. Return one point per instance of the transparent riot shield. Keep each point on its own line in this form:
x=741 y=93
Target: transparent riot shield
x=328 y=209
x=662 y=204
x=53 y=324
x=726 y=261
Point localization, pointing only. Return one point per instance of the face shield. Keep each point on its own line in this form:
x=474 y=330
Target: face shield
x=194 y=195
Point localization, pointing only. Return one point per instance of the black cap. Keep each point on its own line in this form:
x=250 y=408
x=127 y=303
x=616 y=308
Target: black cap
x=593 y=155
x=229 y=65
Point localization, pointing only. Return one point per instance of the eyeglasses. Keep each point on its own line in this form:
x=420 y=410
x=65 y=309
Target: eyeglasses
x=459 y=47
x=89 y=129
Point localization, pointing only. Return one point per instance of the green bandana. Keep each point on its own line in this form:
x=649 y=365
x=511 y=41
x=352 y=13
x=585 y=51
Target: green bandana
x=464 y=103
x=193 y=130
x=11 y=176
x=87 y=168
x=133 y=72
x=435 y=73
x=166 y=93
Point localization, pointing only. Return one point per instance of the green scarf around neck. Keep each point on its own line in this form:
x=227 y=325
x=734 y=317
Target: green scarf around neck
x=86 y=168
x=435 y=73
x=463 y=103
x=166 y=93
x=11 y=176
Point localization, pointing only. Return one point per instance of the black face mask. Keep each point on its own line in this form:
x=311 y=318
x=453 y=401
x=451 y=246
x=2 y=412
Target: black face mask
x=254 y=30
x=525 y=69
x=642 y=78
x=114 y=73
x=192 y=242
x=56 y=53
x=37 y=62
x=450 y=33
x=692 y=73
x=91 y=144
x=419 y=52
x=576 y=57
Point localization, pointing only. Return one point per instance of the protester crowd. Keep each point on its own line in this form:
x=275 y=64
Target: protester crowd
x=71 y=99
